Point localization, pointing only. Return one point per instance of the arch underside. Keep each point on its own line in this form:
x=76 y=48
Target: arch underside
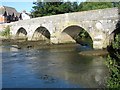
x=21 y=33
x=72 y=34
x=41 y=34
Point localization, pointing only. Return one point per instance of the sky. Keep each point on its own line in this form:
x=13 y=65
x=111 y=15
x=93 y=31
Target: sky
x=20 y=5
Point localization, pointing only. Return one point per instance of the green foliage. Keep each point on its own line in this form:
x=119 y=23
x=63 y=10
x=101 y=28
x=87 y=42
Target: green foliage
x=116 y=43
x=83 y=34
x=6 y=32
x=43 y=8
x=53 y=8
x=113 y=63
x=84 y=6
x=84 y=38
x=114 y=79
x=116 y=4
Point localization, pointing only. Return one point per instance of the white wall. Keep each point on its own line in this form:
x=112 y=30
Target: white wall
x=25 y=16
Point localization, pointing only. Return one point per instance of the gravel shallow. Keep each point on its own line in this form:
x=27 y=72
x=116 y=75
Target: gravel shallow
x=94 y=53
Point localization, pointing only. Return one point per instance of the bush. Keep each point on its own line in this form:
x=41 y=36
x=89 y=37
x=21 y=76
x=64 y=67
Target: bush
x=6 y=32
x=114 y=78
x=113 y=63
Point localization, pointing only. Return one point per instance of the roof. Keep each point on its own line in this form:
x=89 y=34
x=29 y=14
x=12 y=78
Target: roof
x=9 y=11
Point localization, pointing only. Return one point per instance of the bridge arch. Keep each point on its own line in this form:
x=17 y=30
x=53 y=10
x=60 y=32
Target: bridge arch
x=41 y=33
x=21 y=33
x=73 y=33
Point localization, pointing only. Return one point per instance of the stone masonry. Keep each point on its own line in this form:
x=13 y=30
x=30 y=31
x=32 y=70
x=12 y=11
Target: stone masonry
x=98 y=23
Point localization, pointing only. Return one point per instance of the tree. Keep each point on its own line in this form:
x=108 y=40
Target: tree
x=38 y=9
x=116 y=4
x=84 y=6
x=46 y=8
x=52 y=8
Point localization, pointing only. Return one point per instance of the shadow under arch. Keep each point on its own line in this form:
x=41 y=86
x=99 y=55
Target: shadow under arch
x=42 y=34
x=76 y=34
x=21 y=33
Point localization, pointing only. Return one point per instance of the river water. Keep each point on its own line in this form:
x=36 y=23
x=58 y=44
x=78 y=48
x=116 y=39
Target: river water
x=51 y=68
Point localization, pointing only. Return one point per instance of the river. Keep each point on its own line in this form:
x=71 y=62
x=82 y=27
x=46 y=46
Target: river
x=59 y=67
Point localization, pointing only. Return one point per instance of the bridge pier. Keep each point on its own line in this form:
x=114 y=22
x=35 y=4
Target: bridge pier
x=54 y=40
x=97 y=45
x=100 y=44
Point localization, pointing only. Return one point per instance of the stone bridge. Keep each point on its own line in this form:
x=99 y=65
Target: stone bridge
x=100 y=24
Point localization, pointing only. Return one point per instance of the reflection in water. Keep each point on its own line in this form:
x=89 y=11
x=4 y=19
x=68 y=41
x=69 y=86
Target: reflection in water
x=51 y=68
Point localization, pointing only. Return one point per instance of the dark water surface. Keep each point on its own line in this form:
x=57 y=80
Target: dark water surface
x=52 y=68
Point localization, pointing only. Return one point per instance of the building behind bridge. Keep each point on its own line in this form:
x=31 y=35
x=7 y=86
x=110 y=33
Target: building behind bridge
x=10 y=14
